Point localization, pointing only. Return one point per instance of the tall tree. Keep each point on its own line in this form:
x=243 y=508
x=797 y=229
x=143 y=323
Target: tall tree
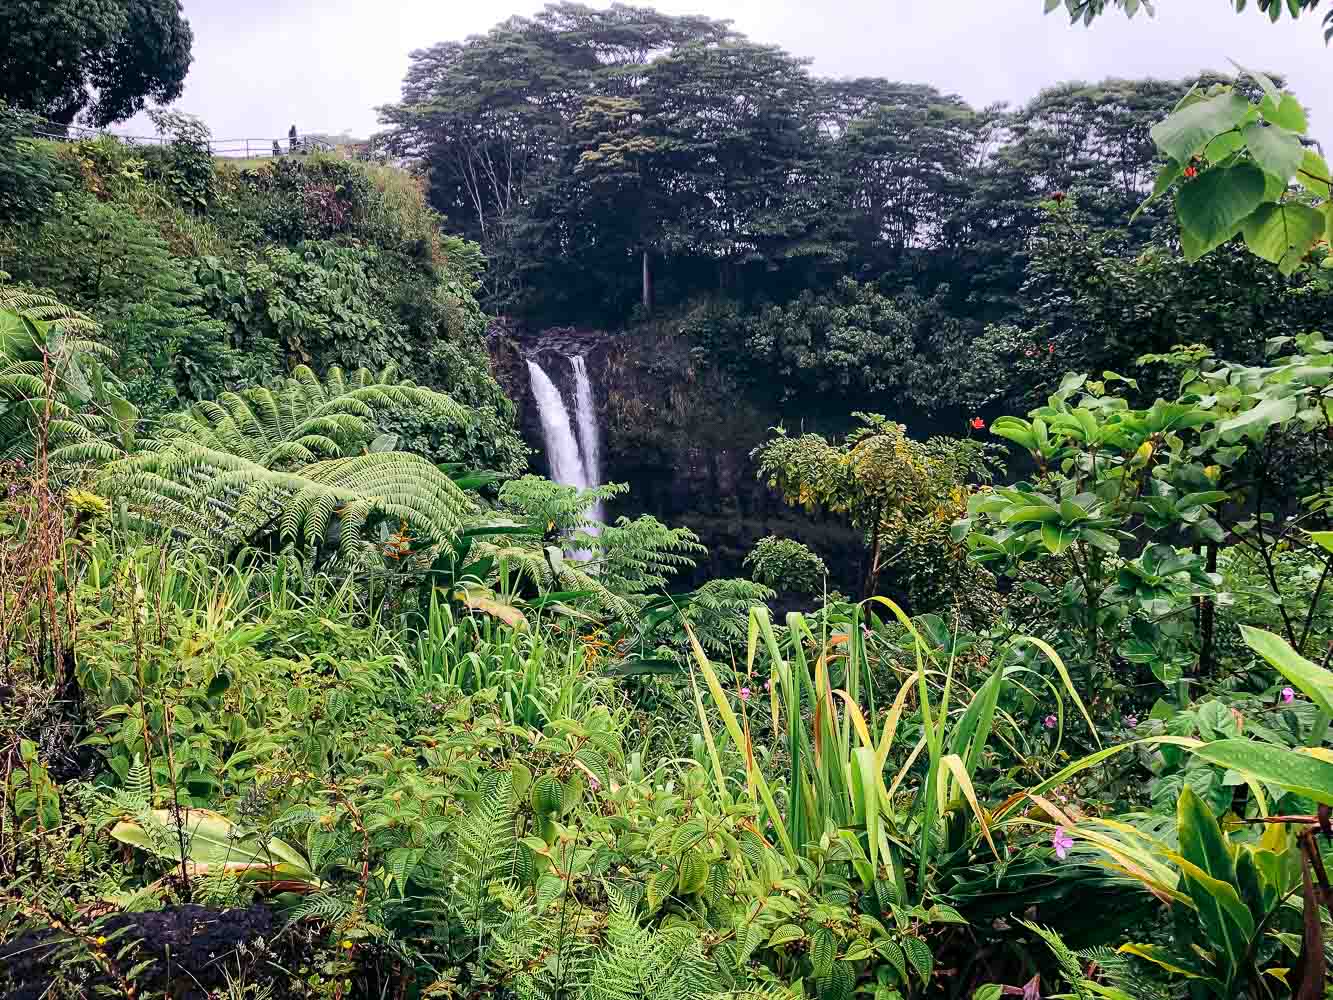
x=106 y=58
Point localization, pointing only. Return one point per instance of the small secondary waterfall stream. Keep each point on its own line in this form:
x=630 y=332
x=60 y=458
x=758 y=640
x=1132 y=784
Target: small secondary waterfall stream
x=575 y=461
x=585 y=410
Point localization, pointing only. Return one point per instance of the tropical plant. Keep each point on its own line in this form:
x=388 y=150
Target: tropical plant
x=786 y=563
x=900 y=492
x=291 y=464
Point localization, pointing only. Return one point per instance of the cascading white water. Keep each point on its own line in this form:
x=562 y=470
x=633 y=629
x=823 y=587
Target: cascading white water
x=562 y=450
x=574 y=461
x=585 y=412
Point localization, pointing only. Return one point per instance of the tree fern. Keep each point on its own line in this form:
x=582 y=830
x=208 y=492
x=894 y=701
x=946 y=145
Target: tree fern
x=52 y=369
x=289 y=462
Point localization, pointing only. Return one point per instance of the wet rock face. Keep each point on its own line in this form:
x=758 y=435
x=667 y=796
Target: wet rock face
x=678 y=435
x=511 y=345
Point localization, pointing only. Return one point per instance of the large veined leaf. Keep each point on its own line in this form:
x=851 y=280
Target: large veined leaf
x=1314 y=174
x=213 y=842
x=1285 y=111
x=1313 y=680
x=1277 y=151
x=1257 y=419
x=1301 y=773
x=1186 y=132
x=1213 y=206
x=1210 y=874
x=1283 y=234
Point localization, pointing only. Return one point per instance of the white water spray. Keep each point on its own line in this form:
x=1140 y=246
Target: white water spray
x=574 y=461
x=585 y=412
x=562 y=450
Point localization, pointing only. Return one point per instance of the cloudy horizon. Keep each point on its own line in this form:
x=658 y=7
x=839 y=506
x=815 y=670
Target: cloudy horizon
x=325 y=65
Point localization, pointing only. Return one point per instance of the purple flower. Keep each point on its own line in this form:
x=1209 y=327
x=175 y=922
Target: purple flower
x=1132 y=721
x=1050 y=722
x=745 y=694
x=1062 y=842
x=593 y=783
x=768 y=685
x=1288 y=695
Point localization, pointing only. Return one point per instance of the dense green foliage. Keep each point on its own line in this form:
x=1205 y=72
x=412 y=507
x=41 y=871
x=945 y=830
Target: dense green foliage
x=308 y=690
x=105 y=59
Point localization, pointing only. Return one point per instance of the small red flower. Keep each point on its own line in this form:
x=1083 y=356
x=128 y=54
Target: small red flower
x=977 y=423
x=1050 y=348
x=1191 y=172
x=1058 y=197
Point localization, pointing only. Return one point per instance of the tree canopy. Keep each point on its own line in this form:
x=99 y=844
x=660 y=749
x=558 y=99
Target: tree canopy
x=105 y=58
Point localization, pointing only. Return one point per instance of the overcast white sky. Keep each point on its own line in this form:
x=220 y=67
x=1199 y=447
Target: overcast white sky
x=262 y=65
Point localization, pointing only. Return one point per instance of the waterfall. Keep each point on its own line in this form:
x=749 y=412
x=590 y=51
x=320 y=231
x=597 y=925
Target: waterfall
x=585 y=410
x=574 y=461
x=562 y=450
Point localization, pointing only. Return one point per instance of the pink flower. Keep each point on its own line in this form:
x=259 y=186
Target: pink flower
x=768 y=685
x=1132 y=721
x=594 y=784
x=1288 y=695
x=1050 y=722
x=1062 y=842
x=745 y=694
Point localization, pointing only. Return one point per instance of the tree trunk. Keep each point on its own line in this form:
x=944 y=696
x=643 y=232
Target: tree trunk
x=872 y=569
x=647 y=282
x=1208 y=619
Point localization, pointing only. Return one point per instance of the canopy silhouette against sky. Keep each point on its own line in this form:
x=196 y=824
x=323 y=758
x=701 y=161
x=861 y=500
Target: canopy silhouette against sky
x=262 y=65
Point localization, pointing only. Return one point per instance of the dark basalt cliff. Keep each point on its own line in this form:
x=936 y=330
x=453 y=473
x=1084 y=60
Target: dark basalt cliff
x=679 y=436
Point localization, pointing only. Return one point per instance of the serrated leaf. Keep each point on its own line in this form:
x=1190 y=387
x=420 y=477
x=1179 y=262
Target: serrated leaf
x=823 y=950
x=918 y=952
x=784 y=934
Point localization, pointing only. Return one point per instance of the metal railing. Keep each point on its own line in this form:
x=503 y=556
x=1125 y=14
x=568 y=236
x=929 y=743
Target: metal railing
x=238 y=149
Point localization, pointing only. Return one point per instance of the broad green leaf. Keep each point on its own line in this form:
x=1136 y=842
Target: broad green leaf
x=212 y=842
x=1277 y=151
x=784 y=934
x=1201 y=840
x=1324 y=539
x=1314 y=174
x=1297 y=772
x=1210 y=875
x=1223 y=146
x=1283 y=234
x=1314 y=681
x=1186 y=132
x=1284 y=110
x=1213 y=205
x=1259 y=418
x=1057 y=537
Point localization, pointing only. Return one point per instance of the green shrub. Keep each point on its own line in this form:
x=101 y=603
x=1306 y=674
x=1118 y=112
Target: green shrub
x=786 y=564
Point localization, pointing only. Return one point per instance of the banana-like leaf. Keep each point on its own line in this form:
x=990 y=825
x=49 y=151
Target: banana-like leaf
x=1312 y=679
x=212 y=842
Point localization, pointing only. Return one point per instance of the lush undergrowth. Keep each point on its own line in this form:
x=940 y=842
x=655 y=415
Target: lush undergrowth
x=296 y=703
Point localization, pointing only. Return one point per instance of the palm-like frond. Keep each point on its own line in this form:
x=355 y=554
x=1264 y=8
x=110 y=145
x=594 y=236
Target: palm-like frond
x=303 y=419
x=288 y=461
x=50 y=371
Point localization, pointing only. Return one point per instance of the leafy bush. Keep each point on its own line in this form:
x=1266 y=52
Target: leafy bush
x=787 y=564
x=30 y=174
